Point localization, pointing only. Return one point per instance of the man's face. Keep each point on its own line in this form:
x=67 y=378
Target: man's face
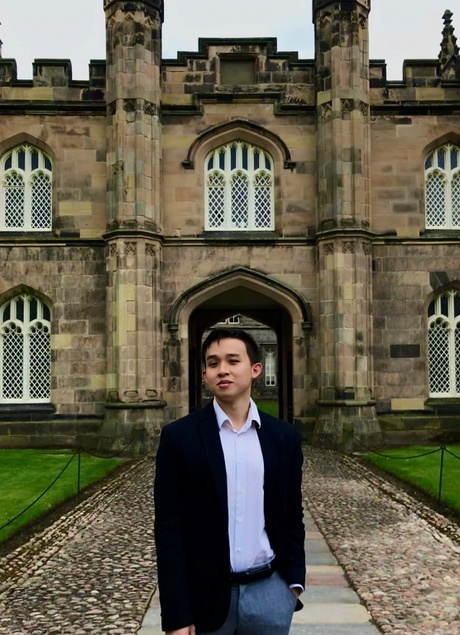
x=228 y=372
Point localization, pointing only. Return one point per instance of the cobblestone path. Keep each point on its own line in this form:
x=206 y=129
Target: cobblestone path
x=93 y=571
x=401 y=557
x=90 y=572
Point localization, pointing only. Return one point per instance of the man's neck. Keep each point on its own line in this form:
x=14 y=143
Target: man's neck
x=237 y=411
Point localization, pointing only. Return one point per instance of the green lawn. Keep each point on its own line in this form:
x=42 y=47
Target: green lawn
x=25 y=474
x=270 y=406
x=424 y=472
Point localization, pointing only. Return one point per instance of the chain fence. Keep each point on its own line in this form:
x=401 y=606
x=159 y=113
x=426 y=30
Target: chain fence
x=78 y=452
x=442 y=450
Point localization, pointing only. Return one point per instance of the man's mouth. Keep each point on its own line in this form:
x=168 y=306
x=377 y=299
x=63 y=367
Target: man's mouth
x=224 y=383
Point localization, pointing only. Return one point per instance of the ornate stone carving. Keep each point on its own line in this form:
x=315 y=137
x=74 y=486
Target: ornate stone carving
x=345 y=16
x=150 y=250
x=113 y=250
x=130 y=248
x=328 y=249
x=362 y=21
x=326 y=110
x=325 y=20
x=348 y=247
x=367 y=248
x=449 y=59
x=129 y=105
x=347 y=106
x=364 y=108
x=150 y=109
x=131 y=396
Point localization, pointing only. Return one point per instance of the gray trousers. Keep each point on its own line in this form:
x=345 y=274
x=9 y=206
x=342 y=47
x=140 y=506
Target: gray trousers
x=259 y=608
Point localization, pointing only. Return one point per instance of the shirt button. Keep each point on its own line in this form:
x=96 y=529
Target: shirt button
x=238 y=549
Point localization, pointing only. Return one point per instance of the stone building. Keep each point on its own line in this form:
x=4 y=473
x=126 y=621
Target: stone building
x=164 y=195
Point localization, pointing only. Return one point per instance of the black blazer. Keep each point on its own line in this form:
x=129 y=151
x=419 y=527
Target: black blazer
x=191 y=516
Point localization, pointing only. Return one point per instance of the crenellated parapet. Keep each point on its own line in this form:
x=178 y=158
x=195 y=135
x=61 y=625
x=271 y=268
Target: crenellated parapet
x=235 y=69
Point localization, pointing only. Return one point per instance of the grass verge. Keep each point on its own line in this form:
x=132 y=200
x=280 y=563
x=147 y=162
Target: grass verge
x=270 y=406
x=420 y=467
x=26 y=474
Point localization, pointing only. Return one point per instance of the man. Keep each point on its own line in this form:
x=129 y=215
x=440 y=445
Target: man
x=228 y=506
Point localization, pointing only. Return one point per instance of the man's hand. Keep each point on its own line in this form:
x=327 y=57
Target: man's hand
x=188 y=630
x=297 y=591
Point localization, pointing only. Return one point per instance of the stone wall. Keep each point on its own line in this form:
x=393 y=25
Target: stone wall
x=72 y=280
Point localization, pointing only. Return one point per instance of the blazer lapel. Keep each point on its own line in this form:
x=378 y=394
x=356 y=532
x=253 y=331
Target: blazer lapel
x=209 y=431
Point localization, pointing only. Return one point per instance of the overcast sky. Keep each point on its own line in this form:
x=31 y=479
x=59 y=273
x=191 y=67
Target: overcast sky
x=74 y=29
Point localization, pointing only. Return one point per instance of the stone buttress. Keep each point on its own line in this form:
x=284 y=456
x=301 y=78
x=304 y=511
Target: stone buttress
x=346 y=410
x=133 y=95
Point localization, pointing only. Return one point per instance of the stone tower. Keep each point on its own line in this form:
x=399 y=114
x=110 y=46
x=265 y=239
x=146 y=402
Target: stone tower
x=346 y=413
x=133 y=96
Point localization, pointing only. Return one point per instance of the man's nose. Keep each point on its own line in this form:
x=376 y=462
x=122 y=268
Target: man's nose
x=223 y=370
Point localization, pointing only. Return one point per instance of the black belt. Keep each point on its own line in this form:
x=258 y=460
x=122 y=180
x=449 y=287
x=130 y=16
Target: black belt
x=252 y=575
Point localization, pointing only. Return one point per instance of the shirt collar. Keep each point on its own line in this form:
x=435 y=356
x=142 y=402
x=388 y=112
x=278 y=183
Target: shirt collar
x=253 y=414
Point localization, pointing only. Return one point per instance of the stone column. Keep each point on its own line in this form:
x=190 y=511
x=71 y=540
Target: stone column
x=346 y=411
x=133 y=95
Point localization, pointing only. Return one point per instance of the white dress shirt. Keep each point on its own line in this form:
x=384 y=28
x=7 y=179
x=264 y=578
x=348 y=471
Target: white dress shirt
x=244 y=464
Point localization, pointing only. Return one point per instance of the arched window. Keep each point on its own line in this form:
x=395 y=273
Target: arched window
x=442 y=188
x=270 y=368
x=25 y=351
x=26 y=190
x=444 y=345
x=239 y=188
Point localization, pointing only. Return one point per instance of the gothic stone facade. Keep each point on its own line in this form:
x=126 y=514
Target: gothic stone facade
x=164 y=195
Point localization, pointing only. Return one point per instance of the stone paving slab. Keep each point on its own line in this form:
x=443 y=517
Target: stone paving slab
x=332 y=613
x=321 y=594
x=321 y=559
x=317 y=546
x=342 y=629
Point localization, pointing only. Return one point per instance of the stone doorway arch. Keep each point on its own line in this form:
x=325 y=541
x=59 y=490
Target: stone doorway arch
x=258 y=296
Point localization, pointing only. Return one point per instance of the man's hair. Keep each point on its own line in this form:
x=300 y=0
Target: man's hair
x=216 y=335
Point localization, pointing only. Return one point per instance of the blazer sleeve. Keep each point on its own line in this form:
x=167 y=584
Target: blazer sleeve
x=170 y=519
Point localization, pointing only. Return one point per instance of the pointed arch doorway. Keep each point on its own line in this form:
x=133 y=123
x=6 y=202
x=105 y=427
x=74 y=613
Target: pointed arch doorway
x=255 y=295
x=260 y=308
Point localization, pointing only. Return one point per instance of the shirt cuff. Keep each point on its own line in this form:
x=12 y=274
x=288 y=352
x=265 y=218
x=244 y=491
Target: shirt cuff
x=297 y=586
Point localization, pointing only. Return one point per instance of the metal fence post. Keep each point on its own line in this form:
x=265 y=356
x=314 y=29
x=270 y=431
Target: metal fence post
x=78 y=474
x=441 y=474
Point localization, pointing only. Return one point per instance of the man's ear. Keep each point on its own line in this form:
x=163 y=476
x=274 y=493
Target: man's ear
x=203 y=374
x=256 y=369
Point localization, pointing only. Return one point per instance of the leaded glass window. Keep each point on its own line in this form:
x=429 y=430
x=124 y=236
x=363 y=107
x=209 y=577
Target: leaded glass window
x=239 y=188
x=25 y=351
x=442 y=188
x=270 y=368
x=26 y=192
x=444 y=345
